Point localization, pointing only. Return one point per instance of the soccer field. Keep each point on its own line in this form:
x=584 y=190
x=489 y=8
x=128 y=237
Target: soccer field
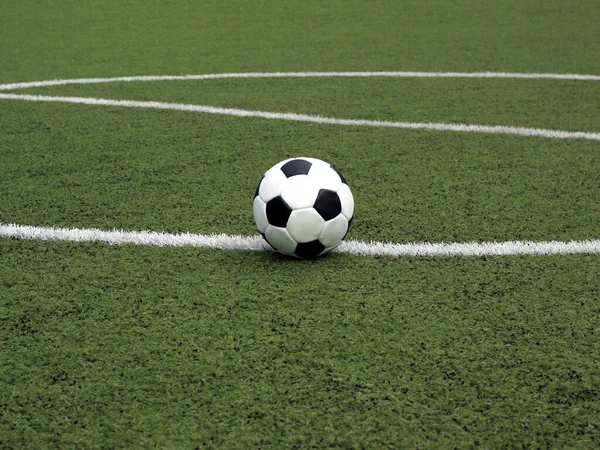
x=139 y=306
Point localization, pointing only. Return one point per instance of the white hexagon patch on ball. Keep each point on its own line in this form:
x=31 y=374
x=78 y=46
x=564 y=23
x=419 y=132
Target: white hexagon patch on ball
x=303 y=207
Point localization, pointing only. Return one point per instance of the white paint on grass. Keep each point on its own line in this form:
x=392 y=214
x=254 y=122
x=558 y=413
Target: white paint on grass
x=471 y=248
x=117 y=237
x=256 y=243
x=506 y=130
x=516 y=131
x=216 y=76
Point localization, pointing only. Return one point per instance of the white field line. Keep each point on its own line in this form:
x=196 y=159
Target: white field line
x=506 y=130
x=256 y=243
x=117 y=237
x=507 y=75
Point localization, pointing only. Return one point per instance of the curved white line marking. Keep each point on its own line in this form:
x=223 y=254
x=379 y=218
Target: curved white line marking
x=516 y=131
x=256 y=243
x=213 y=76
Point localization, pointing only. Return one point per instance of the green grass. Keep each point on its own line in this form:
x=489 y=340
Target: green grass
x=87 y=38
x=129 y=346
x=173 y=347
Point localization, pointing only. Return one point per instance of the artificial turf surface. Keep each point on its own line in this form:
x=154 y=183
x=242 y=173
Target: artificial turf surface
x=130 y=346
x=136 y=346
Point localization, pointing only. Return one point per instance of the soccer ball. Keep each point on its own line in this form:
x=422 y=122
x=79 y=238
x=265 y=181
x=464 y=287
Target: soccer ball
x=303 y=207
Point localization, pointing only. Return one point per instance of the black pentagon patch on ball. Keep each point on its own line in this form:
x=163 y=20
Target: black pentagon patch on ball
x=309 y=249
x=278 y=212
x=296 y=167
x=341 y=176
x=328 y=204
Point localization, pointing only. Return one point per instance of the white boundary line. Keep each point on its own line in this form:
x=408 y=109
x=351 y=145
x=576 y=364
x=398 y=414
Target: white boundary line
x=256 y=243
x=214 y=76
x=515 y=131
